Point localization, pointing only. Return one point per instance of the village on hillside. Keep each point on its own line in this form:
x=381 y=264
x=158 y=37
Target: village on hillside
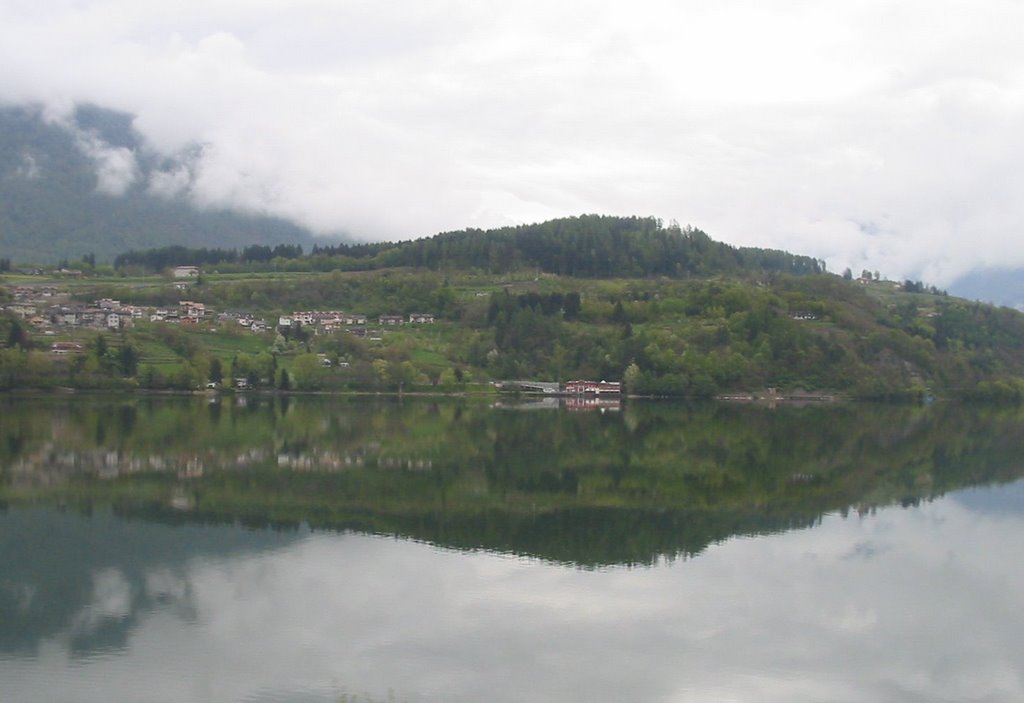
x=48 y=308
x=50 y=311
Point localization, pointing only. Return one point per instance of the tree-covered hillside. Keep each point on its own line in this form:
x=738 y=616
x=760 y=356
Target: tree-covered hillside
x=693 y=337
x=88 y=187
x=588 y=246
x=668 y=311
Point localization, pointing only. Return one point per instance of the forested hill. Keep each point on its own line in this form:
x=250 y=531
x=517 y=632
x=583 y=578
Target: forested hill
x=588 y=246
x=92 y=187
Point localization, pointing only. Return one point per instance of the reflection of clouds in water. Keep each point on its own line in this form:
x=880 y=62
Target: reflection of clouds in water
x=115 y=599
x=865 y=551
x=111 y=599
x=163 y=584
x=171 y=589
x=905 y=605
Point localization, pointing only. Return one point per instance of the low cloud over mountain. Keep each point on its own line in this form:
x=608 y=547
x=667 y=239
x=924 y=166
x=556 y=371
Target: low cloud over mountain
x=87 y=183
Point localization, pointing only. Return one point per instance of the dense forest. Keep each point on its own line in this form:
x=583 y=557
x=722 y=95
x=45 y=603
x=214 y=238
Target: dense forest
x=590 y=246
x=155 y=260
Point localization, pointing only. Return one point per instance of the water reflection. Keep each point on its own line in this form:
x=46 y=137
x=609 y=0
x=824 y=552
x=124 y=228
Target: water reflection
x=197 y=551
x=85 y=579
x=632 y=486
x=916 y=604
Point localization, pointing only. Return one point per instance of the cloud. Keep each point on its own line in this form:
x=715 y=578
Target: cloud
x=171 y=182
x=873 y=135
x=116 y=167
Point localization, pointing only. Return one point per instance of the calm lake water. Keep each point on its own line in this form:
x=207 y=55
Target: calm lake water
x=315 y=549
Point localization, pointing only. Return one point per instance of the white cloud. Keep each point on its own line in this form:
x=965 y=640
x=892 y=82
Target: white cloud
x=116 y=168
x=871 y=134
x=171 y=182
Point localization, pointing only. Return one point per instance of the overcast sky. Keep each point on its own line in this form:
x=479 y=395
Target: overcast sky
x=874 y=134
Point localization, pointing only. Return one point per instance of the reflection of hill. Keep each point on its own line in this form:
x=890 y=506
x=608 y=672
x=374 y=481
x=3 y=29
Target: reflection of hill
x=597 y=536
x=657 y=480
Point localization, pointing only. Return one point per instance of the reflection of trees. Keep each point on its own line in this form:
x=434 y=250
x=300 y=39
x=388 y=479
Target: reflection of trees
x=587 y=488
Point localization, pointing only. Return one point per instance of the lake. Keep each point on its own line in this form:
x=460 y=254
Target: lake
x=361 y=549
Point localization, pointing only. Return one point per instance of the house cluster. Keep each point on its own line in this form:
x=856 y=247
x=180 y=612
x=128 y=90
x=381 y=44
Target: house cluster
x=34 y=292
x=46 y=307
x=246 y=319
x=570 y=388
x=331 y=321
x=416 y=318
x=321 y=321
x=43 y=309
x=187 y=312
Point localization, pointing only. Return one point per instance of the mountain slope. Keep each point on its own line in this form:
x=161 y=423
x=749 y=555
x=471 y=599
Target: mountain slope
x=91 y=186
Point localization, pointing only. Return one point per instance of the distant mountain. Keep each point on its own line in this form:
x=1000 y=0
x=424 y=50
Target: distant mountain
x=91 y=186
x=996 y=286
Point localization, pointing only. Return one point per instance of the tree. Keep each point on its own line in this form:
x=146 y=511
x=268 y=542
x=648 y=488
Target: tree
x=307 y=372
x=216 y=371
x=200 y=370
x=150 y=377
x=16 y=335
x=128 y=359
x=618 y=312
x=404 y=373
x=100 y=347
x=12 y=366
x=380 y=369
x=571 y=306
x=632 y=378
x=265 y=366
